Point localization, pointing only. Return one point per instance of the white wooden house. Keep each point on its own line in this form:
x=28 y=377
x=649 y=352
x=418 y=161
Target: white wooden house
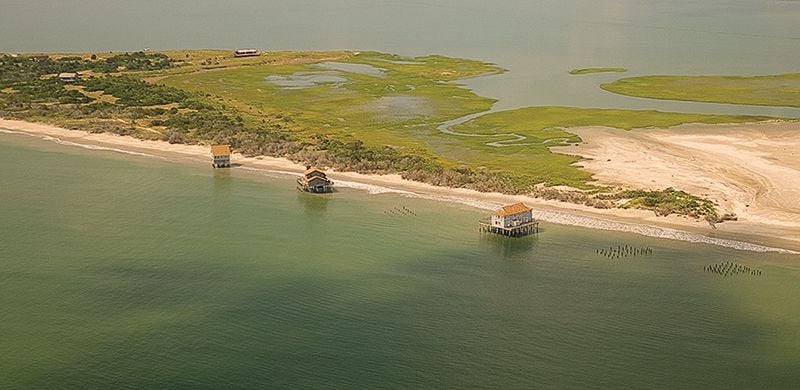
x=245 y=53
x=513 y=220
x=512 y=215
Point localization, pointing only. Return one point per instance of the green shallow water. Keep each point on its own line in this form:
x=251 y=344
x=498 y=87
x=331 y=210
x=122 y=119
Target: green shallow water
x=121 y=272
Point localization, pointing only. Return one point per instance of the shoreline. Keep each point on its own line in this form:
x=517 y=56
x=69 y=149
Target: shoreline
x=738 y=235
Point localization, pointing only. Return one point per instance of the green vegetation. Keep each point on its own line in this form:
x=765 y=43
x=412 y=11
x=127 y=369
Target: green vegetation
x=385 y=107
x=773 y=90
x=136 y=61
x=124 y=104
x=46 y=91
x=20 y=69
x=400 y=107
x=526 y=135
x=670 y=201
x=597 y=70
x=134 y=92
x=366 y=112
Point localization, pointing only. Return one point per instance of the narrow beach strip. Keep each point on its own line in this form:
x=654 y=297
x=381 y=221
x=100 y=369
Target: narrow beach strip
x=283 y=169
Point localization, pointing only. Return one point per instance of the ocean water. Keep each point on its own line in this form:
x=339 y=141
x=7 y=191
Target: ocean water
x=538 y=41
x=131 y=271
x=127 y=271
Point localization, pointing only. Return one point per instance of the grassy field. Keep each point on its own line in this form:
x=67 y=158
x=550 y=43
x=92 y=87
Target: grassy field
x=530 y=159
x=367 y=112
x=381 y=100
x=597 y=70
x=400 y=102
x=773 y=90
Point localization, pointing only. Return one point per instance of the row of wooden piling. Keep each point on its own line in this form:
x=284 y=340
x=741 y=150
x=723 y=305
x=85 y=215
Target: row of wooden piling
x=616 y=252
x=729 y=268
x=400 y=211
x=521 y=231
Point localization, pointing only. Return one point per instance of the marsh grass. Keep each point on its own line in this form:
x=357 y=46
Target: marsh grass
x=581 y=71
x=360 y=108
x=531 y=160
x=772 y=90
x=367 y=112
x=363 y=107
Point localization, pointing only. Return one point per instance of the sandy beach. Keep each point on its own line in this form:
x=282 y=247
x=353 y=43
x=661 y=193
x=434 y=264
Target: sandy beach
x=752 y=170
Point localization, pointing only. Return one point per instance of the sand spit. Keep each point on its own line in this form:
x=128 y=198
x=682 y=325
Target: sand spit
x=746 y=234
x=752 y=170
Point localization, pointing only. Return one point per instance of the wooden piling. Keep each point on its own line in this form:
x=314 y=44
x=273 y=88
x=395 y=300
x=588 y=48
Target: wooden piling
x=513 y=231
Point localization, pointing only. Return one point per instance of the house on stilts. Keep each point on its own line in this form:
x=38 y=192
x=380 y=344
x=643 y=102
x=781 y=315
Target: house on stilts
x=515 y=220
x=221 y=155
x=314 y=180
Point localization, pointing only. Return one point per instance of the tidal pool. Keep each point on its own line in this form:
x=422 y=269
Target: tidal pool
x=364 y=69
x=401 y=107
x=302 y=80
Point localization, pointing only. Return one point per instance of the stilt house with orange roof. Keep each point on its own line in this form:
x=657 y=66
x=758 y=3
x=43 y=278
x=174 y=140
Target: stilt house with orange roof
x=221 y=155
x=514 y=220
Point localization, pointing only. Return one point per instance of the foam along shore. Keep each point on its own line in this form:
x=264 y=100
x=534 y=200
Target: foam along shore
x=753 y=235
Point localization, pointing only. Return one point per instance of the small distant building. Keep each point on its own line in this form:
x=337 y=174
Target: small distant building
x=513 y=220
x=314 y=180
x=69 y=77
x=245 y=53
x=39 y=58
x=221 y=156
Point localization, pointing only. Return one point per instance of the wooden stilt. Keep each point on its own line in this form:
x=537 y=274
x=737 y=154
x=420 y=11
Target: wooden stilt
x=514 y=231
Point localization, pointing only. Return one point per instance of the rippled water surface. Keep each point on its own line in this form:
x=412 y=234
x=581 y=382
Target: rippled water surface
x=537 y=41
x=135 y=271
x=131 y=271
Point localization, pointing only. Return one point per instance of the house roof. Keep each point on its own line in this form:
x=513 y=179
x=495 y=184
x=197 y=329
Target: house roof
x=312 y=170
x=323 y=179
x=313 y=181
x=220 y=150
x=67 y=75
x=511 y=209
